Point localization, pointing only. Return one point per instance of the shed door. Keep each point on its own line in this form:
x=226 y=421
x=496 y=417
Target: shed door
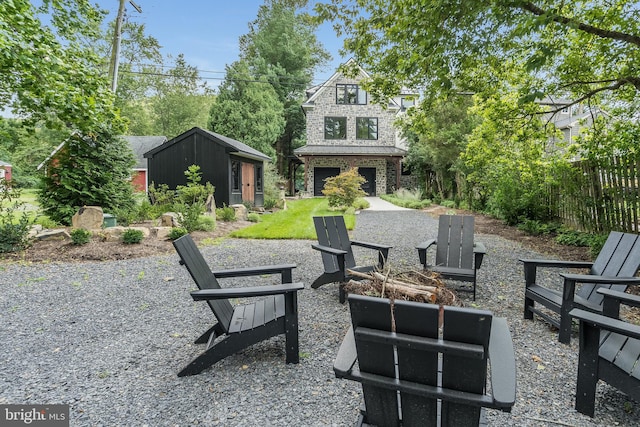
x=248 y=182
x=319 y=175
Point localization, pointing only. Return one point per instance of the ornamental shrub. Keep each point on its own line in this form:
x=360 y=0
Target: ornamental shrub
x=343 y=190
x=80 y=236
x=14 y=226
x=177 y=232
x=131 y=236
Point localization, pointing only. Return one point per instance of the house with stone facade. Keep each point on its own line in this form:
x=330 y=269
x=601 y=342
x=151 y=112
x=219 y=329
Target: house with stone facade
x=345 y=130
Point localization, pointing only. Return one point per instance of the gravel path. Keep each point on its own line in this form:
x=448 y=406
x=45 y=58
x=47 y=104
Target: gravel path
x=108 y=339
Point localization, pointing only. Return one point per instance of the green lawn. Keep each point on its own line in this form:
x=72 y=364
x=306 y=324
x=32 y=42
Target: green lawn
x=296 y=222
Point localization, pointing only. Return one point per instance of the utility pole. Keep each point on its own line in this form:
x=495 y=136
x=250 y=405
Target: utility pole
x=117 y=36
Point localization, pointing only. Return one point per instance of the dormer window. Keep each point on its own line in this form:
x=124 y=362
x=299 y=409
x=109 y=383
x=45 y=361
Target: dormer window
x=350 y=94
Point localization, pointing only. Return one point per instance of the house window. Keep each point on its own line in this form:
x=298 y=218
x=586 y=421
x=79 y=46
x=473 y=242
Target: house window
x=259 y=178
x=366 y=128
x=335 y=128
x=407 y=102
x=235 y=175
x=350 y=94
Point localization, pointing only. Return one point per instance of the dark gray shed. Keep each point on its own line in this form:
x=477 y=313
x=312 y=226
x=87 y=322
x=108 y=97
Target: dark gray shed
x=233 y=168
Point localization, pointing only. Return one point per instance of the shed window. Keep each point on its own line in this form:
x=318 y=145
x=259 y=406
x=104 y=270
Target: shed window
x=259 y=178
x=335 y=128
x=235 y=175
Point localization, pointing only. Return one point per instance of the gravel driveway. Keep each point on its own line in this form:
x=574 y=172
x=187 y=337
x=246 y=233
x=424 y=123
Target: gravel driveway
x=108 y=338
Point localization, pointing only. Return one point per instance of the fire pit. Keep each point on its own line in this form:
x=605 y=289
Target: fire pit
x=420 y=286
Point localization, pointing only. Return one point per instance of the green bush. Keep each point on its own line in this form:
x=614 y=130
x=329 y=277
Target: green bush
x=189 y=214
x=343 y=190
x=177 y=232
x=253 y=217
x=15 y=223
x=574 y=238
x=131 y=236
x=226 y=213
x=206 y=223
x=361 y=203
x=269 y=203
x=80 y=236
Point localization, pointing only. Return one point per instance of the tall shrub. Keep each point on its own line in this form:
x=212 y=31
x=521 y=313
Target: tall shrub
x=343 y=190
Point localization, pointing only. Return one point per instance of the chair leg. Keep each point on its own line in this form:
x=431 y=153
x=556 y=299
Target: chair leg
x=291 y=328
x=528 y=306
x=564 y=334
x=215 y=353
x=588 y=360
x=342 y=294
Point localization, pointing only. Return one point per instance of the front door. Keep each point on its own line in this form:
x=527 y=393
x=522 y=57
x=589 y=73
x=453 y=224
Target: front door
x=369 y=174
x=319 y=176
x=248 y=182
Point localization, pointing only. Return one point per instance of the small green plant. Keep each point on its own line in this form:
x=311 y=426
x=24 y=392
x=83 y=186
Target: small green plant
x=253 y=217
x=360 y=204
x=15 y=223
x=269 y=203
x=131 y=236
x=574 y=238
x=177 y=232
x=343 y=190
x=80 y=236
x=226 y=213
x=206 y=223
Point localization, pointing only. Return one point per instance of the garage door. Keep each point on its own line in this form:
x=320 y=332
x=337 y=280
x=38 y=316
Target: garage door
x=319 y=175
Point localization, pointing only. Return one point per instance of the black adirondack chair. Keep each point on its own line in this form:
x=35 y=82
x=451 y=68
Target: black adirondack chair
x=614 y=268
x=337 y=253
x=417 y=376
x=609 y=351
x=458 y=256
x=243 y=325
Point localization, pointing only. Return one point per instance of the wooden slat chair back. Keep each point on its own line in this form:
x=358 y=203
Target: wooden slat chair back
x=614 y=268
x=455 y=241
x=457 y=256
x=192 y=259
x=619 y=257
x=415 y=377
x=337 y=252
x=241 y=326
x=332 y=232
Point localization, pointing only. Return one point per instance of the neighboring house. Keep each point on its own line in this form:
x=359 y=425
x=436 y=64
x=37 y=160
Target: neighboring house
x=569 y=119
x=139 y=145
x=345 y=129
x=5 y=170
x=233 y=168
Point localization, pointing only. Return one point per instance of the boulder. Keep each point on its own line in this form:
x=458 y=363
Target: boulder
x=160 y=232
x=89 y=218
x=58 y=234
x=241 y=212
x=170 y=219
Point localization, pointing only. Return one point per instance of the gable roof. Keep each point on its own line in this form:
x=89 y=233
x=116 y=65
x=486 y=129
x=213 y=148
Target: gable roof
x=314 y=92
x=232 y=146
x=141 y=144
x=4 y=163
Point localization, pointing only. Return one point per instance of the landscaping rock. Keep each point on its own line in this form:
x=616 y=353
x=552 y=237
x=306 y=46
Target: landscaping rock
x=89 y=218
x=160 y=232
x=241 y=212
x=60 y=234
x=169 y=219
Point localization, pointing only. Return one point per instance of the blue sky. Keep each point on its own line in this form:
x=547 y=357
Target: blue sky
x=207 y=31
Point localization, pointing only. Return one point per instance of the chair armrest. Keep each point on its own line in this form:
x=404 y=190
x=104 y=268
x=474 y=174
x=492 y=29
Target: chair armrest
x=622 y=297
x=254 y=271
x=328 y=249
x=253 y=291
x=556 y=263
x=425 y=245
x=347 y=356
x=368 y=245
x=607 y=323
x=478 y=251
x=503 y=364
x=589 y=278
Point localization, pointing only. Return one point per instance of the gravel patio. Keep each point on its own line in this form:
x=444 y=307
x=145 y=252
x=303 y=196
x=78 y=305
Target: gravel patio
x=108 y=338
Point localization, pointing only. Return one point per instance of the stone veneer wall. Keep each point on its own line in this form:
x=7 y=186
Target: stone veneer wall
x=325 y=106
x=347 y=163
